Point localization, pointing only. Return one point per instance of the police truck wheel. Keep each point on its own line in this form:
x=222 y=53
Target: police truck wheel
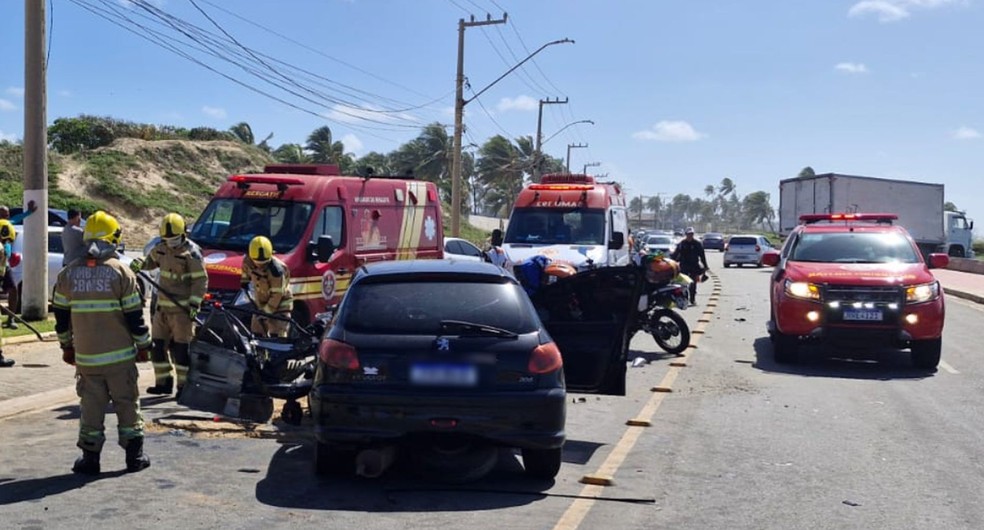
x=926 y=353
x=542 y=463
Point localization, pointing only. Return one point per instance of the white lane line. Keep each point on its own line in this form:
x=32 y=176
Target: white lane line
x=944 y=365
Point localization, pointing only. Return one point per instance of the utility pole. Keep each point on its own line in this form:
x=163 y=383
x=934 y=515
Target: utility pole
x=539 y=135
x=34 y=296
x=459 y=110
x=569 y=147
x=589 y=164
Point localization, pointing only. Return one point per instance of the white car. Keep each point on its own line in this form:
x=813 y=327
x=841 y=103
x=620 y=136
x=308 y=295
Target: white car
x=661 y=243
x=745 y=249
x=457 y=249
x=55 y=257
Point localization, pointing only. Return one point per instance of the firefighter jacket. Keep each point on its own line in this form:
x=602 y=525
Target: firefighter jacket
x=99 y=312
x=5 y=251
x=271 y=282
x=182 y=274
x=690 y=254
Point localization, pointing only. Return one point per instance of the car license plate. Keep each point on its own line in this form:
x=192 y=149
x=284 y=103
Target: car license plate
x=862 y=315
x=443 y=374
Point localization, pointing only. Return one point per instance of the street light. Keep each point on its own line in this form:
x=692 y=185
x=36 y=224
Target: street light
x=569 y=147
x=459 y=108
x=589 y=164
x=564 y=127
x=538 y=151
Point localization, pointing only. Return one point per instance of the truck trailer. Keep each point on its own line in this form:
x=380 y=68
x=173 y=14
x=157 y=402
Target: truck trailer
x=919 y=206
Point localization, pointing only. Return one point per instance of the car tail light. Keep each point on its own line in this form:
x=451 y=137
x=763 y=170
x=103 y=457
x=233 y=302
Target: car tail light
x=758 y=248
x=339 y=355
x=544 y=359
x=726 y=247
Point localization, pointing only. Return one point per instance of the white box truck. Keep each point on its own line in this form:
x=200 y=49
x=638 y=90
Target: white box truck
x=919 y=206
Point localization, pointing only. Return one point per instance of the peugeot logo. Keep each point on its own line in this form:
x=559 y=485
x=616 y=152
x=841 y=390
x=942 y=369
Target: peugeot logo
x=443 y=344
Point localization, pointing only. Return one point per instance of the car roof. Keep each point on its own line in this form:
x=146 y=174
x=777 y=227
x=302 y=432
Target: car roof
x=432 y=266
x=713 y=234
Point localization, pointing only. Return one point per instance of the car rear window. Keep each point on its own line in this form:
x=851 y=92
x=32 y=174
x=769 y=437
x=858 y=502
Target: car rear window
x=418 y=307
x=659 y=240
x=854 y=247
x=743 y=241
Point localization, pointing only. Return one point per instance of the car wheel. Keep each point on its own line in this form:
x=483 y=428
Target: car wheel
x=542 y=463
x=727 y=265
x=926 y=353
x=758 y=265
x=784 y=348
x=330 y=460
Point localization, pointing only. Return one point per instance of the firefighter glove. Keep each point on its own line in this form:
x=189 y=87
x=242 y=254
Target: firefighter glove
x=68 y=355
x=192 y=313
x=137 y=265
x=143 y=354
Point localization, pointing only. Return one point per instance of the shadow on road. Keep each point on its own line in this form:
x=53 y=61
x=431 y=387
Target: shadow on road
x=291 y=483
x=827 y=361
x=13 y=491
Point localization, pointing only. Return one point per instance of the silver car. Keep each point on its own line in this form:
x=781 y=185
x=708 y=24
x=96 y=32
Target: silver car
x=746 y=249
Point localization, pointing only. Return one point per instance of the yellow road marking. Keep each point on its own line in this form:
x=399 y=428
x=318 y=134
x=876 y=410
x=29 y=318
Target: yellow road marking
x=595 y=483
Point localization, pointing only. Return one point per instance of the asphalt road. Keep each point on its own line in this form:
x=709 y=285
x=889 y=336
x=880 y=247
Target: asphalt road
x=842 y=440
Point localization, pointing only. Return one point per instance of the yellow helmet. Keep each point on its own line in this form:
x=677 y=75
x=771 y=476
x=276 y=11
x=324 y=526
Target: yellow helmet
x=173 y=225
x=103 y=227
x=260 y=250
x=7 y=230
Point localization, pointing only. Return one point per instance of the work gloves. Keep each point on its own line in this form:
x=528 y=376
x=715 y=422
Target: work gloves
x=68 y=355
x=137 y=265
x=143 y=355
x=192 y=313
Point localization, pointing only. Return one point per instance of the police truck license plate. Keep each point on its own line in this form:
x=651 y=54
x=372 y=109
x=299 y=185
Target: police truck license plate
x=442 y=374
x=862 y=315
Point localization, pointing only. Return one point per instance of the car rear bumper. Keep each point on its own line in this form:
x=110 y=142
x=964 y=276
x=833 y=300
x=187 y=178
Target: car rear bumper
x=742 y=258
x=530 y=419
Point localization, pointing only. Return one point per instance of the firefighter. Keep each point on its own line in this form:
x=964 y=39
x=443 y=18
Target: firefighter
x=270 y=281
x=99 y=321
x=7 y=260
x=183 y=283
x=693 y=261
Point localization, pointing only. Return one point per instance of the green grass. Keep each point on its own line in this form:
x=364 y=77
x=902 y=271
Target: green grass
x=43 y=326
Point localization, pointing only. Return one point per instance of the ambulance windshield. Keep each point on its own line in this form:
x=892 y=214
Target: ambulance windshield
x=230 y=224
x=556 y=226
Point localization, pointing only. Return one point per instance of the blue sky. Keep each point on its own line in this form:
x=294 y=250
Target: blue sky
x=682 y=93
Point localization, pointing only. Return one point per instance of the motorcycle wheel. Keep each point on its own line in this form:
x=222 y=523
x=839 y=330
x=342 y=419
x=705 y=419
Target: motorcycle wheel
x=669 y=330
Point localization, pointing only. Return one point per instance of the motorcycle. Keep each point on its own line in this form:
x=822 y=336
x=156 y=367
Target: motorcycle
x=658 y=317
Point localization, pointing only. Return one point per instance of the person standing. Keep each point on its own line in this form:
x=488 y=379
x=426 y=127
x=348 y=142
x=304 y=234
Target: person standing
x=100 y=326
x=495 y=254
x=270 y=280
x=71 y=236
x=183 y=284
x=7 y=235
x=13 y=300
x=693 y=262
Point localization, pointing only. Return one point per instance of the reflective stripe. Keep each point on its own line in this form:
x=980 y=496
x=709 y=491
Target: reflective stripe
x=60 y=301
x=170 y=275
x=132 y=301
x=195 y=275
x=195 y=300
x=167 y=302
x=141 y=340
x=102 y=359
x=95 y=306
x=93 y=435
x=65 y=337
x=276 y=289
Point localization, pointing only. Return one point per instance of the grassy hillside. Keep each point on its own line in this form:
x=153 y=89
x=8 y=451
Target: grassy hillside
x=140 y=180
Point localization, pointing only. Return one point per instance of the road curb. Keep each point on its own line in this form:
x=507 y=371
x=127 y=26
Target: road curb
x=964 y=294
x=30 y=337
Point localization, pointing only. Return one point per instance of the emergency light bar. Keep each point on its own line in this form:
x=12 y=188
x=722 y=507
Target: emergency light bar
x=560 y=187
x=833 y=217
x=564 y=178
x=243 y=181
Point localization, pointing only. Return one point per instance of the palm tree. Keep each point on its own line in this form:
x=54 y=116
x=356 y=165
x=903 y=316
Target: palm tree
x=501 y=168
x=636 y=206
x=758 y=210
x=655 y=204
x=709 y=190
x=377 y=161
x=727 y=187
x=290 y=154
x=243 y=132
x=806 y=172
x=320 y=145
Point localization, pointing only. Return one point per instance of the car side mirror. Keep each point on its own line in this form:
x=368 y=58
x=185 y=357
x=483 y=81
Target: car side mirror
x=770 y=258
x=971 y=225
x=938 y=261
x=617 y=242
x=326 y=247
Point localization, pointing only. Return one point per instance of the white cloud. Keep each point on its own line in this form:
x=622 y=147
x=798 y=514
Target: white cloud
x=344 y=114
x=352 y=143
x=15 y=91
x=8 y=137
x=851 y=68
x=518 y=103
x=6 y=105
x=670 y=131
x=895 y=10
x=214 y=112
x=966 y=133
x=65 y=93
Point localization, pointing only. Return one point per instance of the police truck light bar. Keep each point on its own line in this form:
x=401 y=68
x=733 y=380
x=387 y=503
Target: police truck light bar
x=846 y=217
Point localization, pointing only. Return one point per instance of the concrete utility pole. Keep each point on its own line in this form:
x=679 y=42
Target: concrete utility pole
x=459 y=110
x=34 y=295
x=537 y=154
x=569 y=147
x=589 y=164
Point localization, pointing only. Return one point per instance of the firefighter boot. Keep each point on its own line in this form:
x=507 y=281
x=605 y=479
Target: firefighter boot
x=87 y=464
x=136 y=460
x=163 y=382
x=4 y=362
